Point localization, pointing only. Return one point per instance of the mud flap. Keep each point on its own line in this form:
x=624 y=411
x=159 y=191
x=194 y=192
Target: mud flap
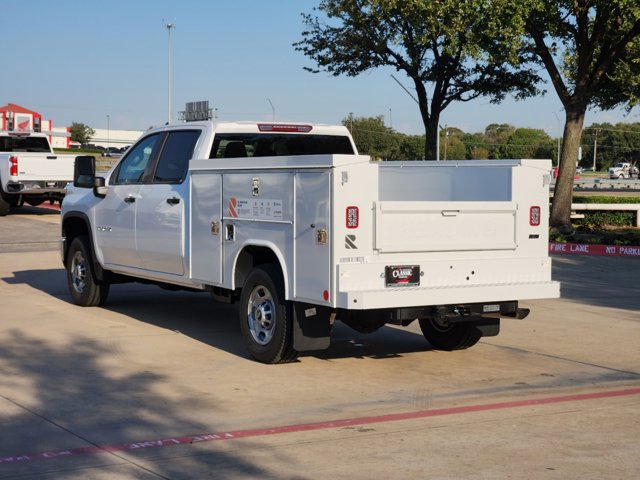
x=311 y=327
x=488 y=327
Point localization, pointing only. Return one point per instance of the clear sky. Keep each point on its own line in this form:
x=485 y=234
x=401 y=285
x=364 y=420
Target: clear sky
x=81 y=60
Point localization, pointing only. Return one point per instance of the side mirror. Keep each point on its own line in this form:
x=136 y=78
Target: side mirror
x=99 y=188
x=84 y=171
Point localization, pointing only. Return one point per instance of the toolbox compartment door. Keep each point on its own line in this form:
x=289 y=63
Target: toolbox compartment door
x=444 y=226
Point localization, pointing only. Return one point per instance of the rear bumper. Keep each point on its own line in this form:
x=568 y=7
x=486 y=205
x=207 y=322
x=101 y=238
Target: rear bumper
x=446 y=295
x=40 y=187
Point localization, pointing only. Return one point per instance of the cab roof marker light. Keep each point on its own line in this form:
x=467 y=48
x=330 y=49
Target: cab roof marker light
x=286 y=128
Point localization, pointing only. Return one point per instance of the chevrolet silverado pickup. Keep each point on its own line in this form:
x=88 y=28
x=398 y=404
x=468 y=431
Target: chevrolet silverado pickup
x=290 y=222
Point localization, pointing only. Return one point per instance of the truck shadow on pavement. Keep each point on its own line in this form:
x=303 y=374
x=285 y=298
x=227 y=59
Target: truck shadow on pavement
x=198 y=316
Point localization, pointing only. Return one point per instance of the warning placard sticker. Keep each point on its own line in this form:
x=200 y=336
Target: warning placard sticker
x=256 y=208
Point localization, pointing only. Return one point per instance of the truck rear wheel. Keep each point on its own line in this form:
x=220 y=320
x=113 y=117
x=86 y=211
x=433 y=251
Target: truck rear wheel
x=443 y=335
x=84 y=288
x=266 y=319
x=4 y=207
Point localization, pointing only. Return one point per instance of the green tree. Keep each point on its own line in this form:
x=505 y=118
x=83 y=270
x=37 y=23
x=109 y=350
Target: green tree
x=452 y=146
x=412 y=147
x=497 y=135
x=373 y=138
x=477 y=146
x=613 y=143
x=527 y=143
x=591 y=51
x=81 y=133
x=479 y=153
x=452 y=46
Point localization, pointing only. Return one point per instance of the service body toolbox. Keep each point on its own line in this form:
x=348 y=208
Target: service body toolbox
x=305 y=236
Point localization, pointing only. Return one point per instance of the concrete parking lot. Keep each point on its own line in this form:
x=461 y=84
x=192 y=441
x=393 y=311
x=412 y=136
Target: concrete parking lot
x=158 y=385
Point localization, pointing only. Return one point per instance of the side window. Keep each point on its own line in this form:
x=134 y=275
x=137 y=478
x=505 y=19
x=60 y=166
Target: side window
x=175 y=156
x=133 y=165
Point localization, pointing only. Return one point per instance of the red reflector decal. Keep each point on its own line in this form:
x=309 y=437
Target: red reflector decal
x=286 y=128
x=353 y=217
x=534 y=216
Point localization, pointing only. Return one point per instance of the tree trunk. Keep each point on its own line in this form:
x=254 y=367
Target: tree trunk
x=563 y=193
x=429 y=120
x=431 y=138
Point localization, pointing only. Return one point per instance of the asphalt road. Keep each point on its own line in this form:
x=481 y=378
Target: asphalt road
x=158 y=385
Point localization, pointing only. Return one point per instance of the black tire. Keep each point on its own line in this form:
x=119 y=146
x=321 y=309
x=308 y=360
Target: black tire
x=266 y=319
x=5 y=207
x=449 y=336
x=85 y=290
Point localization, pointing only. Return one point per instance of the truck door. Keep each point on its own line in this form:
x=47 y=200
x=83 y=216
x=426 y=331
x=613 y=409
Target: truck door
x=160 y=209
x=115 y=220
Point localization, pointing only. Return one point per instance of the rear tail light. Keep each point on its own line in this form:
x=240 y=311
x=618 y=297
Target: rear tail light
x=534 y=216
x=353 y=217
x=13 y=166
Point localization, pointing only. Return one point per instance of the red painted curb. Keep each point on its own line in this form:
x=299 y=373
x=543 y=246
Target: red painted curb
x=261 y=432
x=587 y=249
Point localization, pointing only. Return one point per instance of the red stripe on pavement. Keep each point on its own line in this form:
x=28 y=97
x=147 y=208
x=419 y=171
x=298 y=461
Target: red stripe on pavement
x=587 y=249
x=261 y=432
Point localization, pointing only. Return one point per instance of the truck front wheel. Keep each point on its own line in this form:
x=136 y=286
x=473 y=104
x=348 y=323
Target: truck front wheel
x=85 y=290
x=266 y=319
x=443 y=335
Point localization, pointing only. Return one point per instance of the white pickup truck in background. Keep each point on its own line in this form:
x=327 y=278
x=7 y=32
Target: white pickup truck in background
x=30 y=171
x=288 y=220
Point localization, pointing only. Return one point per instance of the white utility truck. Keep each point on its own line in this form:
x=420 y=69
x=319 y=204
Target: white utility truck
x=30 y=171
x=288 y=220
x=623 y=170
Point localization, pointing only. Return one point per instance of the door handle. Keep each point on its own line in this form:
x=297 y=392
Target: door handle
x=130 y=199
x=173 y=201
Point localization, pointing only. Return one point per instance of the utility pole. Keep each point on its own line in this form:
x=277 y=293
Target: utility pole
x=595 y=148
x=446 y=140
x=169 y=26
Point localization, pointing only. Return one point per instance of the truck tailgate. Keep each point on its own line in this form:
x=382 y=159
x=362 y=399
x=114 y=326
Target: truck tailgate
x=45 y=167
x=444 y=226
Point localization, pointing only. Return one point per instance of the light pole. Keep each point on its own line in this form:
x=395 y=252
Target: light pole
x=273 y=109
x=169 y=26
x=108 y=133
x=446 y=140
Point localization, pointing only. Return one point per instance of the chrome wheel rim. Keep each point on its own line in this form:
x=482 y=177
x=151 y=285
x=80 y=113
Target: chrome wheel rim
x=261 y=315
x=79 y=272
